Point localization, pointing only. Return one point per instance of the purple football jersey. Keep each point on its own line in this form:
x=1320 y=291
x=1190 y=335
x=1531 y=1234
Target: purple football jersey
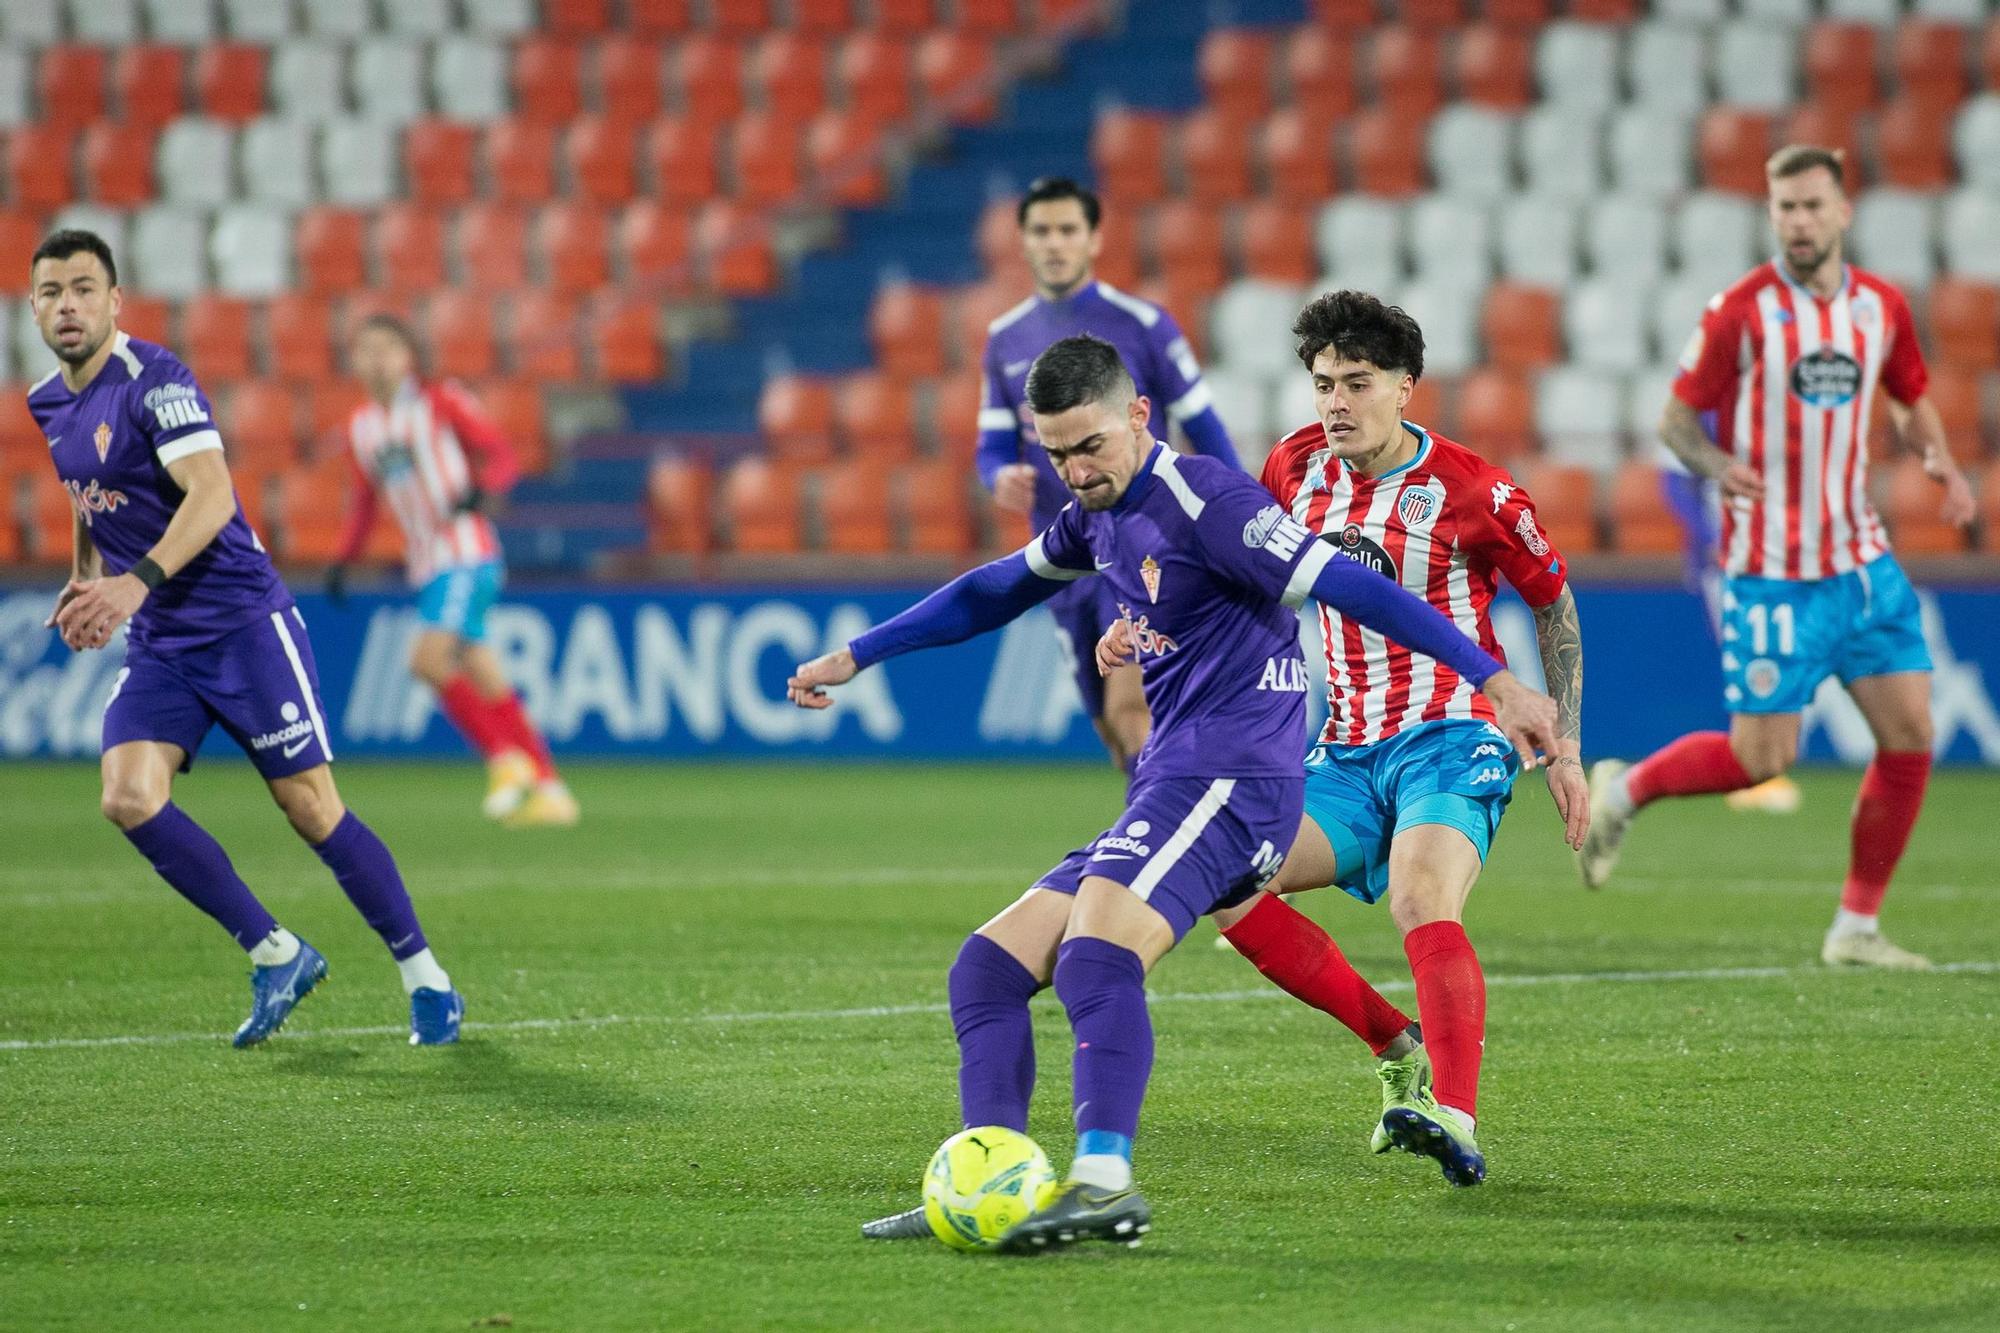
x=1148 y=342
x=1210 y=570
x=111 y=445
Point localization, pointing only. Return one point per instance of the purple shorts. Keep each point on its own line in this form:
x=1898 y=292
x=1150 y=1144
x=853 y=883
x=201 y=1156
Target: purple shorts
x=1083 y=611
x=257 y=683
x=1189 y=846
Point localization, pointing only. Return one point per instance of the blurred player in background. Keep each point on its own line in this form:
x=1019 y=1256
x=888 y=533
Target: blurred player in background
x=1059 y=221
x=1789 y=359
x=159 y=541
x=442 y=462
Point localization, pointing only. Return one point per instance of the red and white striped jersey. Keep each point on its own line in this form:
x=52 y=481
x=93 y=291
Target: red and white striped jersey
x=1791 y=380
x=1446 y=525
x=425 y=452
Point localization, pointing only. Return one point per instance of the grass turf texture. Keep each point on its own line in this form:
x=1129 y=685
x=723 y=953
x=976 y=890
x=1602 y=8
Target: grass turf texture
x=1802 y=1150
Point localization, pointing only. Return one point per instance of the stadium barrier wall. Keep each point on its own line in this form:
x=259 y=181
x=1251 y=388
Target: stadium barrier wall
x=685 y=673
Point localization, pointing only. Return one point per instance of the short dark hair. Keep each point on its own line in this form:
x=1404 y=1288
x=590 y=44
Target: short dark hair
x=1075 y=371
x=1360 y=327
x=1048 y=189
x=75 y=241
x=1795 y=159
x=396 y=324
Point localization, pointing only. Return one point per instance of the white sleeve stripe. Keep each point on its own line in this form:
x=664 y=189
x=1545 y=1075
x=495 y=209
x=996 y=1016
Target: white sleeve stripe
x=1039 y=562
x=1306 y=573
x=1191 y=504
x=997 y=418
x=1192 y=403
x=199 y=442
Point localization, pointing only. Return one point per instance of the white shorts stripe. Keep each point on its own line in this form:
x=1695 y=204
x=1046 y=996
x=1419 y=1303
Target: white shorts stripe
x=306 y=691
x=1176 y=847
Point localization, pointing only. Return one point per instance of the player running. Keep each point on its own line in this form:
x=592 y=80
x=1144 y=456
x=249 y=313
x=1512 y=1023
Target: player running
x=441 y=461
x=1209 y=569
x=1789 y=358
x=159 y=540
x=1060 y=234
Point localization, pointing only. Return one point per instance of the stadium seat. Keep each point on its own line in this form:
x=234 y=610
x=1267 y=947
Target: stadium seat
x=41 y=166
x=20 y=233
x=108 y=23
x=1470 y=150
x=1756 y=66
x=1579 y=413
x=1841 y=64
x=387 y=78
x=31 y=23
x=193 y=162
x=1664 y=65
x=766 y=166
x=251 y=248
x=656 y=246
x=1975 y=139
x=410 y=248
x=307 y=80
x=547 y=80
x=876 y=416
x=938 y=508
x=1955 y=392
x=414 y=18
x=680 y=157
x=542 y=335
x=1243 y=401
x=1965 y=322
x=1646 y=394
x=118 y=164
x=955 y=71
x=298 y=337
x=1910 y=508
x=1576 y=65
x=1602 y=11
x=906 y=330
x=601 y=155
x=1185 y=241
x=110 y=223
x=990 y=18
x=1386 y=153
x=948 y=416
x=1360 y=243
x=844 y=159
x=169 y=251
x=735 y=250
x=458 y=335
x=760 y=506
x=743 y=18
x=576 y=18
x=1969 y=226
x=1641 y=521
x=1496 y=411
x=258 y=20
x=1492 y=66
x=1448 y=312
x=1648 y=152
x=854 y=509
x=677 y=499
x=263 y=418
x=331 y=245
x=277 y=158
x=1604 y=320
x=873 y=71
x=1894 y=235
x=215 y=337
x=659 y=18
x=493 y=246
x=1537 y=240
x=339 y=19
x=438 y=162
x=70 y=85
x=1127 y=149
x=788 y=72
x=1320 y=74
x=625 y=339
x=1721 y=236
x=1522 y=326
x=822 y=18
x=357 y=162
x=146 y=317
x=573 y=245
x=631 y=87
x=1275 y=242
x=469 y=79
x=1913 y=145
x=1930 y=63
x=15 y=92
x=1677 y=308
x=1830 y=127
x=1732 y=144
x=705 y=74
x=1450 y=241
x=1562 y=155
x=795 y=418
x=521 y=161
x=1876 y=13
x=1404 y=66
x=1565 y=501
x=148 y=79
x=1989 y=58
x=516 y=407
x=1233 y=66
x=975 y=308
x=1296 y=153
x=1214 y=169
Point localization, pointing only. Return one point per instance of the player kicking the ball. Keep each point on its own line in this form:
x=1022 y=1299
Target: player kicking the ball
x=1208 y=568
x=160 y=541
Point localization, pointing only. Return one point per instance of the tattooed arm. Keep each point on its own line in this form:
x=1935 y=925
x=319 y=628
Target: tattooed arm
x=1560 y=639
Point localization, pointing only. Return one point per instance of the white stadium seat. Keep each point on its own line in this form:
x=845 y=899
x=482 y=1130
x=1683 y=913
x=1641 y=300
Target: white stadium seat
x=277 y=161
x=1756 y=66
x=16 y=78
x=1678 y=304
x=1580 y=414
x=1783 y=13
x=357 y=162
x=1604 y=323
x=1967 y=12
x=1895 y=235
x=1720 y=235
x=192 y=164
x=344 y=20
x=30 y=23
x=1975 y=138
x=104 y=22
x=110 y=223
x=183 y=22
x=1469 y=150
x=1292 y=405
x=169 y=246
x=262 y=21
x=1451 y=242
x=32 y=357
x=1626 y=237
x=1666 y=66
x=1562 y=153
x=1360 y=243
x=252 y=251
x=1448 y=313
x=387 y=78
x=1649 y=152
x=1241 y=324
x=1576 y=65
x=419 y=18
x=1646 y=394
x=469 y=79
x=1881 y=13
x=1971 y=232
x=308 y=81
x=502 y=18
x=1243 y=401
x=1538 y=240
x=1703 y=12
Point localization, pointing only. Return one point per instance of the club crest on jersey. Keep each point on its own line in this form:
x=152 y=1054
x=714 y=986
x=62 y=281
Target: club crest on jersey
x=103 y=441
x=1826 y=379
x=1356 y=545
x=1418 y=506
x=1149 y=574
x=1531 y=536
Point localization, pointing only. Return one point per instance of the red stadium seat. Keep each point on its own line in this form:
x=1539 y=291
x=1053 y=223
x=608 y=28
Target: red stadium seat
x=1321 y=72
x=298 y=337
x=1642 y=523
x=760 y=505
x=1565 y=502
x=630 y=78
x=542 y=336
x=229 y=80
x=438 y=160
x=822 y=18
x=795 y=417
x=997 y=238
x=1214 y=167
x=1430 y=403
x=146 y=317
x=1276 y=242
x=843 y=151
x=458 y=332
x=735 y=249
x=521 y=161
x=1186 y=245
x=1494 y=66
x=493 y=246
x=1234 y=66
x=330 y=406
x=1127 y=148
x=707 y=80
x=1442 y=14
x=1605 y=11
x=904 y=18
x=788 y=70
x=149 y=79
x=331 y=246
x=1910 y=508
x=410 y=248
x=1989 y=59
x=677 y=499
x=876 y=415
x=656 y=246
x=1830 y=127
x=12 y=550
x=659 y=18
x=1841 y=66
x=1965 y=323
x=1930 y=61
x=990 y=18
x=516 y=407
x=1522 y=326
x=574 y=243
x=602 y=156
x=873 y=71
x=22 y=445
x=20 y=233
x=1955 y=392
x=977 y=307
x=1733 y=144
x=1523 y=14
x=1987 y=488
x=216 y=338
x=741 y=18
x=1295 y=149
x=854 y=509
x=548 y=80
x=1187 y=297
x=938 y=508
x=1387 y=152
x=955 y=71
x=70 y=81
x=625 y=339
x=1496 y=414
x=1913 y=146
x=576 y=18
x=264 y=417
x=680 y=155
x=118 y=164
x=40 y=167
x=952 y=423
x=764 y=158
x=906 y=329
x=1405 y=65
x=50 y=517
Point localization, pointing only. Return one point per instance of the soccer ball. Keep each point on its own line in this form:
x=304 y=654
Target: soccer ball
x=981 y=1182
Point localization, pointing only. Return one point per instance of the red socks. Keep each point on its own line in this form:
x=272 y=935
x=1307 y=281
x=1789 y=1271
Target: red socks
x=1303 y=961
x=1695 y=765
x=1451 y=1001
x=1892 y=792
x=471 y=713
x=510 y=721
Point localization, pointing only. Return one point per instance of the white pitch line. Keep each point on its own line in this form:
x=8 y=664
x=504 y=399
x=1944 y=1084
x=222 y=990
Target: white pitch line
x=901 y=1010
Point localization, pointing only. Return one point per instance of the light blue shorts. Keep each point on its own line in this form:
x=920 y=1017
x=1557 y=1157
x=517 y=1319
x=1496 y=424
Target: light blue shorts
x=457 y=600
x=1782 y=637
x=1458 y=773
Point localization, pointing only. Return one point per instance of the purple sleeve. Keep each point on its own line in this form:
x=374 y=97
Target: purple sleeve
x=971 y=604
x=1395 y=613
x=999 y=426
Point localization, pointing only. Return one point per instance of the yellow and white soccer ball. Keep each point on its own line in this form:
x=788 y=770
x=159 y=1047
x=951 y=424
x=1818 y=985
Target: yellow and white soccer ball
x=982 y=1181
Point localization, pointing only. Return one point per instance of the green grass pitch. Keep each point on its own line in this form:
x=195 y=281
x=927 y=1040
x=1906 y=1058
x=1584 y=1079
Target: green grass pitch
x=707 y=1039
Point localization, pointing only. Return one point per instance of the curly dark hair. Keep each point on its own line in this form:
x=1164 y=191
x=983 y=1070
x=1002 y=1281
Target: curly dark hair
x=1360 y=327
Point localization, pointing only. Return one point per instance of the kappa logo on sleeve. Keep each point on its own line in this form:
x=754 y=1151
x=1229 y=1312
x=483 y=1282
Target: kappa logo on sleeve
x=1502 y=492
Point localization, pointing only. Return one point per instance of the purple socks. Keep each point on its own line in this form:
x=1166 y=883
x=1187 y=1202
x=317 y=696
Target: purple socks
x=187 y=857
x=1103 y=987
x=368 y=876
x=990 y=991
